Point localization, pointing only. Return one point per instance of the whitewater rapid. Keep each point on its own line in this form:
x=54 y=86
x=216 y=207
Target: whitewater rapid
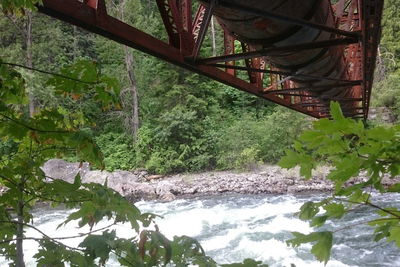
x=234 y=227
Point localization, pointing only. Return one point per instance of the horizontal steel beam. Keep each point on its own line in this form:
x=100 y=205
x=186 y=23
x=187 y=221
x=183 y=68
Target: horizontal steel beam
x=333 y=99
x=284 y=73
x=311 y=88
x=291 y=94
x=283 y=49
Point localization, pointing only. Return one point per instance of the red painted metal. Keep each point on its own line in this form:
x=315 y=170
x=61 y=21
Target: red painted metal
x=198 y=21
x=169 y=22
x=355 y=28
x=205 y=21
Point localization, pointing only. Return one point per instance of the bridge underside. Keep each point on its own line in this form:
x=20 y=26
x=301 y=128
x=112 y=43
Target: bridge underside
x=356 y=30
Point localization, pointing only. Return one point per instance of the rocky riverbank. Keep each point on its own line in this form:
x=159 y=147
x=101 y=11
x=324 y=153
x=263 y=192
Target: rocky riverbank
x=139 y=184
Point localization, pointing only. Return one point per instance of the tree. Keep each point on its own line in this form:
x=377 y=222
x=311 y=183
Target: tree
x=52 y=132
x=351 y=148
x=386 y=88
x=129 y=96
x=391 y=27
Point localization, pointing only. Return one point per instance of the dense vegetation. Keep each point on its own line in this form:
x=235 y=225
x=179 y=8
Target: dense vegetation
x=171 y=120
x=387 y=79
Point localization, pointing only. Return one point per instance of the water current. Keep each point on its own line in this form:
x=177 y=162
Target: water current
x=234 y=227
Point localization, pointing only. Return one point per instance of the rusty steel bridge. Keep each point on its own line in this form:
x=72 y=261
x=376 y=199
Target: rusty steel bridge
x=298 y=54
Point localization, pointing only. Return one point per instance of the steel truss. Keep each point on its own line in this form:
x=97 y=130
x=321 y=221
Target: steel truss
x=357 y=29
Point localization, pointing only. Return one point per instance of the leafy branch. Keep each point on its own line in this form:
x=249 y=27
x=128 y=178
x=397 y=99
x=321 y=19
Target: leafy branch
x=37 y=239
x=49 y=73
x=350 y=147
x=30 y=127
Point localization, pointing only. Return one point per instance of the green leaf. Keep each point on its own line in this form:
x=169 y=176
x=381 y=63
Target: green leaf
x=99 y=246
x=290 y=160
x=394 y=235
x=334 y=210
x=345 y=168
x=318 y=221
x=336 y=111
x=322 y=243
x=308 y=210
x=306 y=169
x=55 y=254
x=322 y=249
x=358 y=196
x=394 y=188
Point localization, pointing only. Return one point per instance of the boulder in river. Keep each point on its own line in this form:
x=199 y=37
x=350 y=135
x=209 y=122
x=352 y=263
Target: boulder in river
x=64 y=170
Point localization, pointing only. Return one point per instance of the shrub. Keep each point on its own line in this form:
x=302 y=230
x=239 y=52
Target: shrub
x=165 y=161
x=248 y=159
x=387 y=94
x=252 y=139
x=118 y=151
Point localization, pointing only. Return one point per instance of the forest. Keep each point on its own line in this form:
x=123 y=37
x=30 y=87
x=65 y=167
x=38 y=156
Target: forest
x=170 y=120
x=144 y=113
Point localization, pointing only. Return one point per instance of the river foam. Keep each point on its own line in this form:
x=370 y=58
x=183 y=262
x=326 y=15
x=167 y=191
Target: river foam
x=234 y=227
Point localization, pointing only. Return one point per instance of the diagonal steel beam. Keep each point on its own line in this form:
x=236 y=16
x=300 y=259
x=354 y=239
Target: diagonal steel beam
x=203 y=29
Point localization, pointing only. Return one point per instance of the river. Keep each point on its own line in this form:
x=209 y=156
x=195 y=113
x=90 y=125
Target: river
x=234 y=227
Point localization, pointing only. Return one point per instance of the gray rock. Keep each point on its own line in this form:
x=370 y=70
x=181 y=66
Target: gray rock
x=135 y=186
x=61 y=169
x=139 y=191
x=154 y=177
x=99 y=177
x=167 y=197
x=2 y=190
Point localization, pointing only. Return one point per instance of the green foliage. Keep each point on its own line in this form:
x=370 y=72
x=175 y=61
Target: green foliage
x=118 y=150
x=387 y=93
x=386 y=89
x=322 y=247
x=250 y=140
x=391 y=27
x=247 y=159
x=18 y=6
x=350 y=148
x=179 y=125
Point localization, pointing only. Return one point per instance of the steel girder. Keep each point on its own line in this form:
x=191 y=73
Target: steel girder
x=357 y=29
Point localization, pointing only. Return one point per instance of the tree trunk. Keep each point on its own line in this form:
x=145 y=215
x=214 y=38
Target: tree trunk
x=20 y=234
x=129 y=65
x=214 y=46
x=75 y=44
x=29 y=63
x=134 y=118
